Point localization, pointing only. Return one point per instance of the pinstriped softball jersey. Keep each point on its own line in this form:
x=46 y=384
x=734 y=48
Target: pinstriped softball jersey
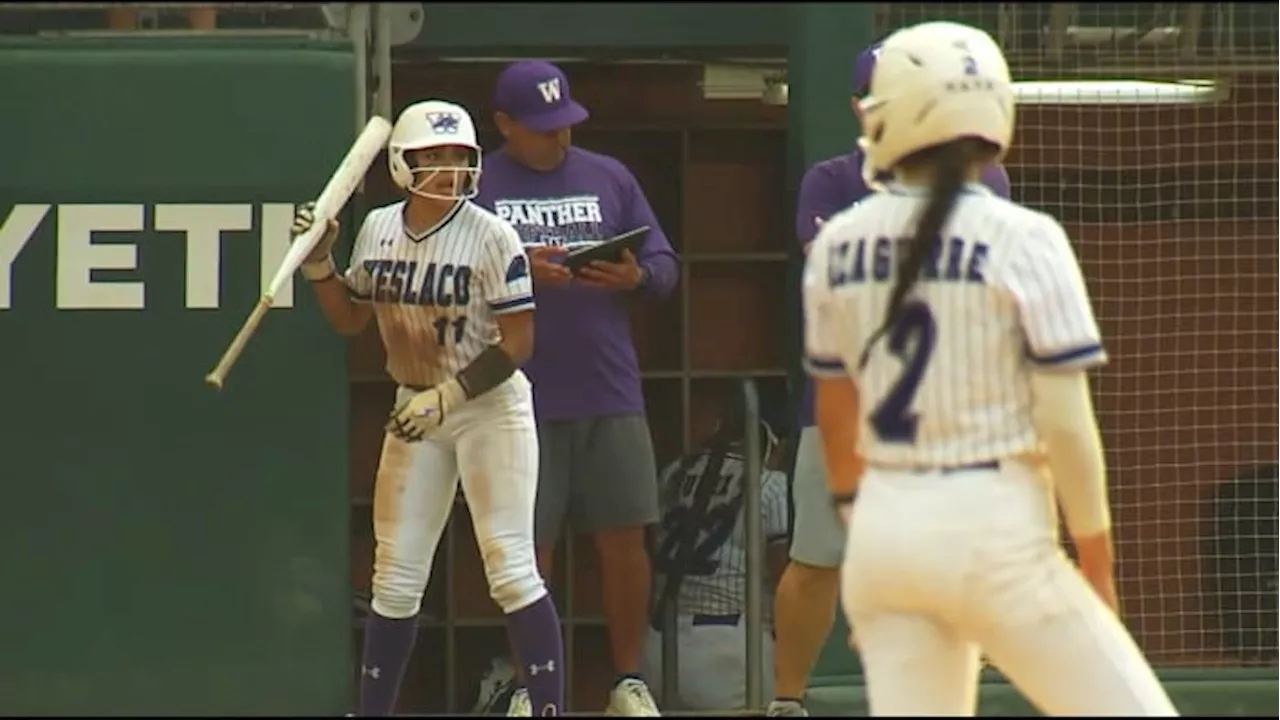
x=436 y=296
x=949 y=385
x=714 y=581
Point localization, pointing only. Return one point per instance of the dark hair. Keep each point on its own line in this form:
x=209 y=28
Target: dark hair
x=730 y=430
x=732 y=410
x=950 y=162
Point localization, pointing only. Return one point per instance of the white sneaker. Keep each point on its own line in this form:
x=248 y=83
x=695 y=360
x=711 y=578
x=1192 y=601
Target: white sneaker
x=520 y=705
x=786 y=708
x=631 y=698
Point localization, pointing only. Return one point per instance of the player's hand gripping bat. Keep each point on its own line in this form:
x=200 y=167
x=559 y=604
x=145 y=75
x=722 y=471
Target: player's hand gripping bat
x=339 y=189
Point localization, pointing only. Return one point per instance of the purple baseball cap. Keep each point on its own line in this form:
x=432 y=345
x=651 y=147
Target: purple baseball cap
x=535 y=94
x=862 y=69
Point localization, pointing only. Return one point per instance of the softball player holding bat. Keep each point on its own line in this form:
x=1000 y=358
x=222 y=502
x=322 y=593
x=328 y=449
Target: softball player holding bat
x=449 y=285
x=949 y=332
x=807 y=592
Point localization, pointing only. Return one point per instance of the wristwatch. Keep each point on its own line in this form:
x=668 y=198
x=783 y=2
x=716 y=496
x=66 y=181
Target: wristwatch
x=644 y=277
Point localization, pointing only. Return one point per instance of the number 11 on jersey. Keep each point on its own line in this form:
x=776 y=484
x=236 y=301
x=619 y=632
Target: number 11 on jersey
x=442 y=325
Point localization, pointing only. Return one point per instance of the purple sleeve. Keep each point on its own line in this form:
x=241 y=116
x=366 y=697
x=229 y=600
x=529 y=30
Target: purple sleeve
x=820 y=198
x=483 y=198
x=656 y=255
x=996 y=178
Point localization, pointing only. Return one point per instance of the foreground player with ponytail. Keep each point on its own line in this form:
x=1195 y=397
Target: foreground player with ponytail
x=809 y=589
x=949 y=333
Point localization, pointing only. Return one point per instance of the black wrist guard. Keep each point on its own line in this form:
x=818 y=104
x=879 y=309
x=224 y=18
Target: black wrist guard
x=839 y=499
x=489 y=370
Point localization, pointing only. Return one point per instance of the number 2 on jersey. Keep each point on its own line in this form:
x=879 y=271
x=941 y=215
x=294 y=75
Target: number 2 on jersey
x=911 y=340
x=442 y=325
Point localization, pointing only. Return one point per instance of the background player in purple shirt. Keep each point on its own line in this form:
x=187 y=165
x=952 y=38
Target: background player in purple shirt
x=805 y=604
x=596 y=461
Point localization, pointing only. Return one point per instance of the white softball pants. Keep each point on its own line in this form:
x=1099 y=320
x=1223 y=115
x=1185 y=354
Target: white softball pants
x=491 y=444
x=942 y=565
x=711 y=660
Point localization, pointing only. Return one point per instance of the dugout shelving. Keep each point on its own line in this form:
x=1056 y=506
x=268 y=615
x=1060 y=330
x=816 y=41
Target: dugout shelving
x=714 y=173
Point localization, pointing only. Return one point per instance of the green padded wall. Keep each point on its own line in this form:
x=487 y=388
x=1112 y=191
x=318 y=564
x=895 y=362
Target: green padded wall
x=167 y=548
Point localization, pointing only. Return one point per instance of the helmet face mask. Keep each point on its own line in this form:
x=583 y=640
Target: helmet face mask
x=439 y=128
x=458 y=165
x=934 y=83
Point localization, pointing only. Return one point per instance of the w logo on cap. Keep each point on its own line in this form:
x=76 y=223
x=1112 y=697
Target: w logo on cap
x=550 y=90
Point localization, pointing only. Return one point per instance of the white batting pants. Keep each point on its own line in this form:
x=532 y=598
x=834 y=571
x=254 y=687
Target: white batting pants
x=711 y=662
x=492 y=444
x=942 y=565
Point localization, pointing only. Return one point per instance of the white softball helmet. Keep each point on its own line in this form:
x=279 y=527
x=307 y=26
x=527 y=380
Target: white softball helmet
x=933 y=83
x=431 y=124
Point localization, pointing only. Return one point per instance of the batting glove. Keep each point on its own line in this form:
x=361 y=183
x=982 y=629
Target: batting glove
x=421 y=414
x=319 y=263
x=303 y=218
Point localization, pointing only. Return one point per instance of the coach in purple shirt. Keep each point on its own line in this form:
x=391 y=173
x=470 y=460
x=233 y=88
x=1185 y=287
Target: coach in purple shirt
x=806 y=598
x=596 y=465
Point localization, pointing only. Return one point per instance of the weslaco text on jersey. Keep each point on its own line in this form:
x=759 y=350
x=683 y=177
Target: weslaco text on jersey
x=410 y=283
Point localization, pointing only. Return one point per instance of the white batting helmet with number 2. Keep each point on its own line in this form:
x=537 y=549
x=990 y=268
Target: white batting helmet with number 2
x=934 y=83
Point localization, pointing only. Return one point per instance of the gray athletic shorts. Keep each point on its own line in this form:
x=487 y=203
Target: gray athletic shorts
x=597 y=473
x=817 y=538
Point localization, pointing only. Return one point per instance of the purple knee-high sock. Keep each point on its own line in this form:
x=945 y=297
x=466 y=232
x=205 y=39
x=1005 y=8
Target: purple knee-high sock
x=535 y=633
x=387 y=644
